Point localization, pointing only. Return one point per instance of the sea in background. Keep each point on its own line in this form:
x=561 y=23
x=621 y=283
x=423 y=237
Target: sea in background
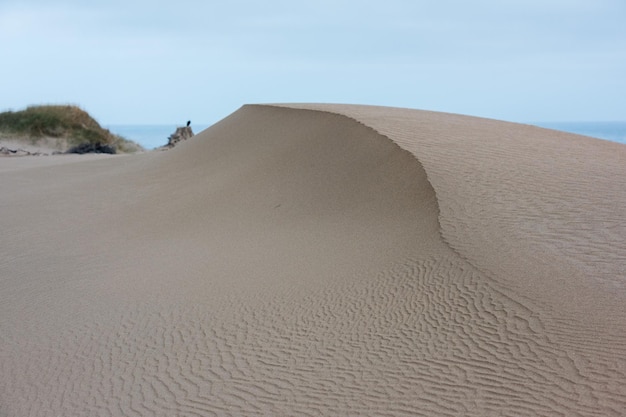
x=613 y=131
x=153 y=136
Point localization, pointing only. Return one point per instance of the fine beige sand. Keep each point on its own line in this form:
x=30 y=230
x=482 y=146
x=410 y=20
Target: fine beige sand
x=319 y=260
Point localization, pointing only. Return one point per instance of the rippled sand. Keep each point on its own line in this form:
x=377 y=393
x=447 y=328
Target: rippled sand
x=319 y=260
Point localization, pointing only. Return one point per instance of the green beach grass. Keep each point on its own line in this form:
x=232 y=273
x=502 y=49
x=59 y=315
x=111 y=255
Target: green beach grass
x=63 y=126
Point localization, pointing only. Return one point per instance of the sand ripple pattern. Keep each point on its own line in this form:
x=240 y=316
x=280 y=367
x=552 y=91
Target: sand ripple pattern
x=425 y=337
x=554 y=194
x=296 y=262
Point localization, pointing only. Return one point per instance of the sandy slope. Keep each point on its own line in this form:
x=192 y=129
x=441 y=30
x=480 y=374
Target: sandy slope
x=350 y=261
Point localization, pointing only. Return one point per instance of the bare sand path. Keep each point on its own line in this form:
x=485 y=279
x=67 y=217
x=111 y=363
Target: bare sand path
x=319 y=260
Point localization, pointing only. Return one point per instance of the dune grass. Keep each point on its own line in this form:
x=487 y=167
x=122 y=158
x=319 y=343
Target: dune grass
x=67 y=125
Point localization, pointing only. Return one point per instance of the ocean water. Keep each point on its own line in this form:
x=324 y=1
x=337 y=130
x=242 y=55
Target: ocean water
x=150 y=136
x=613 y=131
x=153 y=136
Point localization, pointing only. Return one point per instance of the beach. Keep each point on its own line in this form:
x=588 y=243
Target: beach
x=319 y=259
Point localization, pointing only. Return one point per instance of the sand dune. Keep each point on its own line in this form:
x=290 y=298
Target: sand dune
x=319 y=260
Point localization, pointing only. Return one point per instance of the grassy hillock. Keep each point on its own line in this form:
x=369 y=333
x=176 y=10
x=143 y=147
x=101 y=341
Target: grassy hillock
x=65 y=128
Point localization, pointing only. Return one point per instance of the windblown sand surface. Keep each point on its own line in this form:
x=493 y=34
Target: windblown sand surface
x=319 y=260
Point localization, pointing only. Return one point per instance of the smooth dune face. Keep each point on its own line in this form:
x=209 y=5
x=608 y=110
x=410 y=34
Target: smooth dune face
x=319 y=260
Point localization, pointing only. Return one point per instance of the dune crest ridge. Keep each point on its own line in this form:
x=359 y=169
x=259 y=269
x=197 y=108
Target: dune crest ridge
x=574 y=181
x=290 y=260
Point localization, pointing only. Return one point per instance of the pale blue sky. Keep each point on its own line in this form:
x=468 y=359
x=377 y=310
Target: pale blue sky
x=147 y=62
